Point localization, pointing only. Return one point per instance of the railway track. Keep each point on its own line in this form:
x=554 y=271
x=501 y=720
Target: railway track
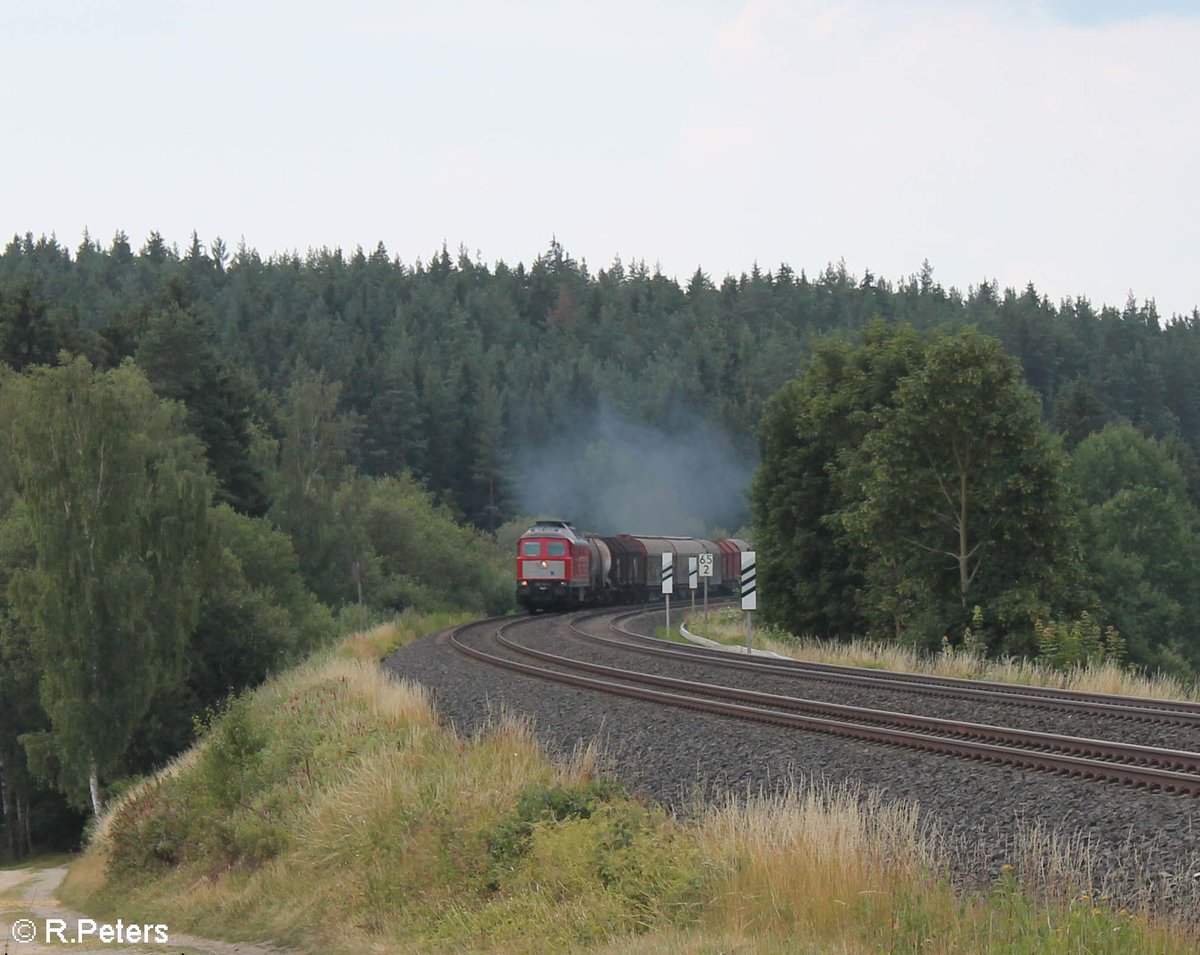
x=1155 y=768
x=1178 y=712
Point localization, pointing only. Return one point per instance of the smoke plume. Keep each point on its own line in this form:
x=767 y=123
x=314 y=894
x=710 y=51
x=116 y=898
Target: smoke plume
x=613 y=476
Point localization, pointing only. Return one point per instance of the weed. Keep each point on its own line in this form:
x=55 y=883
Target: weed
x=510 y=839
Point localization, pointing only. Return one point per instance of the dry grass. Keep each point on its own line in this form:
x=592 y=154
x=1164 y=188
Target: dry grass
x=726 y=626
x=378 y=642
x=829 y=869
x=179 y=766
x=361 y=848
x=371 y=801
x=383 y=824
x=803 y=863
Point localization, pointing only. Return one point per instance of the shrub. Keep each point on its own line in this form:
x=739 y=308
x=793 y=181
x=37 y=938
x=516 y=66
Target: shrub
x=1071 y=643
x=510 y=839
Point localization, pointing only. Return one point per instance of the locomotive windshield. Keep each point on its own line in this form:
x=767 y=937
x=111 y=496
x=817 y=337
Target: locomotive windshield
x=556 y=548
x=531 y=548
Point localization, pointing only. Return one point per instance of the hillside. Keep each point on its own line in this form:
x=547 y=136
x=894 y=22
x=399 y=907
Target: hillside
x=329 y=811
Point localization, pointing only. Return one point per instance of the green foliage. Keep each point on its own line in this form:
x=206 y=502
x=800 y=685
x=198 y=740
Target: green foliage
x=237 y=607
x=255 y=758
x=231 y=759
x=510 y=839
x=449 y=366
x=592 y=841
x=904 y=481
x=958 y=496
x=1141 y=542
x=1018 y=923
x=316 y=501
x=255 y=617
x=425 y=560
x=29 y=333
x=115 y=496
x=381 y=543
x=633 y=871
x=1080 y=642
x=808 y=567
x=32 y=816
x=207 y=815
x=147 y=833
x=175 y=351
x=973 y=640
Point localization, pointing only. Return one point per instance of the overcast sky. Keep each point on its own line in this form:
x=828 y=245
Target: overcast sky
x=1052 y=142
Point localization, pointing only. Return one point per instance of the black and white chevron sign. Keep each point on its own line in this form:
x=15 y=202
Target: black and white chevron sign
x=668 y=573
x=749 y=586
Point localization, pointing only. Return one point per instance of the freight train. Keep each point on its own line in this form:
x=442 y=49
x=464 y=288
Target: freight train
x=558 y=568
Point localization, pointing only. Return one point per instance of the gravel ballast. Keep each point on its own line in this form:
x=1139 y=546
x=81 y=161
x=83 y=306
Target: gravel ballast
x=1141 y=845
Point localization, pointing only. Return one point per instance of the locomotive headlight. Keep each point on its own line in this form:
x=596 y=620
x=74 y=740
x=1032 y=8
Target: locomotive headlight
x=544 y=564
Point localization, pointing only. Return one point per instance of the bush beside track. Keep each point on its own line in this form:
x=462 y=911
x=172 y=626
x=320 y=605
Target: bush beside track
x=329 y=810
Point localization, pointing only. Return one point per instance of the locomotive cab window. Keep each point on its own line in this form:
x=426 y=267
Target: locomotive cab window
x=556 y=548
x=531 y=548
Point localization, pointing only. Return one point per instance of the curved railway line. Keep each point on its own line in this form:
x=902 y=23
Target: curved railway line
x=1180 y=712
x=1154 y=768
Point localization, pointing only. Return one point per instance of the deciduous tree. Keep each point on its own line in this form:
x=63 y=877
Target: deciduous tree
x=115 y=493
x=810 y=572
x=1141 y=542
x=960 y=497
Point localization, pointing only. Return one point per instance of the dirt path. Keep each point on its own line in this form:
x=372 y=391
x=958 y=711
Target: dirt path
x=28 y=906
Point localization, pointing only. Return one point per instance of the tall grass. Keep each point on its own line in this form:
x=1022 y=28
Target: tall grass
x=726 y=626
x=808 y=861
x=331 y=812
x=377 y=642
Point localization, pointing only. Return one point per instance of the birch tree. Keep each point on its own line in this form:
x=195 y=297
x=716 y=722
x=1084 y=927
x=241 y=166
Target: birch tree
x=116 y=497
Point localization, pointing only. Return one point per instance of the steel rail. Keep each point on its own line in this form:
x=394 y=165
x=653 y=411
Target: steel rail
x=1131 y=753
x=683 y=694
x=1180 y=712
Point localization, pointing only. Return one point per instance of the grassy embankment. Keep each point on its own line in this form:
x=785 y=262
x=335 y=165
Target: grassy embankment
x=330 y=811
x=728 y=626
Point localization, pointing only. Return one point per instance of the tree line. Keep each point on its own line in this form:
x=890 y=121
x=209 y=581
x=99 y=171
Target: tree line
x=259 y=450
x=159 y=550
x=447 y=365
x=911 y=489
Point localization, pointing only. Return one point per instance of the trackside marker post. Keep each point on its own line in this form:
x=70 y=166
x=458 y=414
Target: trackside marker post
x=692 y=580
x=749 y=593
x=668 y=584
x=705 y=570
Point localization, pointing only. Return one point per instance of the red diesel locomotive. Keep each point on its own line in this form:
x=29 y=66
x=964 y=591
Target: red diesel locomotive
x=558 y=568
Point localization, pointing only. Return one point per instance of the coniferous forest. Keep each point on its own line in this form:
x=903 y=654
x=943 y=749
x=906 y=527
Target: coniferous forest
x=297 y=442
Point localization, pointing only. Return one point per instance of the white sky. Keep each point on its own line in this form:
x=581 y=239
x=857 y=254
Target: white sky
x=1053 y=141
